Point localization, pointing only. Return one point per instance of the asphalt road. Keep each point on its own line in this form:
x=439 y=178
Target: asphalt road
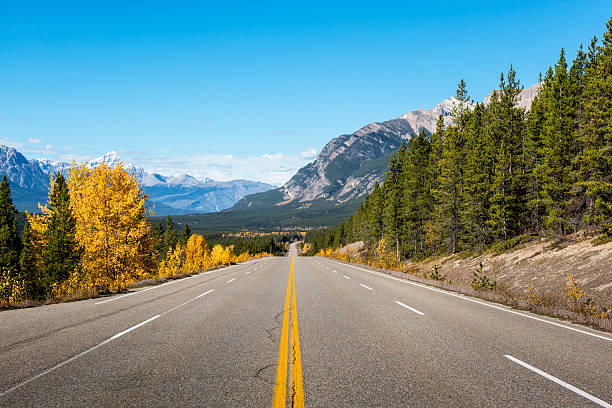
x=365 y=339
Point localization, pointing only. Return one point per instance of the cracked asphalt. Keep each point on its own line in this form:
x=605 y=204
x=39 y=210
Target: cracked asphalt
x=203 y=341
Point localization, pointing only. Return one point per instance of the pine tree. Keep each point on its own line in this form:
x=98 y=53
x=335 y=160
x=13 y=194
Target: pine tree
x=478 y=177
x=558 y=146
x=186 y=234
x=506 y=129
x=29 y=270
x=502 y=220
x=448 y=185
x=374 y=215
x=594 y=162
x=338 y=236
x=62 y=254
x=393 y=196
x=10 y=244
x=418 y=202
x=170 y=237
x=437 y=144
x=533 y=165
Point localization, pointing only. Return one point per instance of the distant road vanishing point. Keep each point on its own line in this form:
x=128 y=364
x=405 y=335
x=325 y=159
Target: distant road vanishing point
x=297 y=331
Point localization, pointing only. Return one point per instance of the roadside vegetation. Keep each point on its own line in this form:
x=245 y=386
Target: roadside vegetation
x=93 y=237
x=495 y=178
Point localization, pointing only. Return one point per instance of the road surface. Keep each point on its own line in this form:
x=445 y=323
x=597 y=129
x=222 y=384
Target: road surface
x=355 y=338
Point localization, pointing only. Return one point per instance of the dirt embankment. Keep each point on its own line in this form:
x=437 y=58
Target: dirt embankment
x=543 y=265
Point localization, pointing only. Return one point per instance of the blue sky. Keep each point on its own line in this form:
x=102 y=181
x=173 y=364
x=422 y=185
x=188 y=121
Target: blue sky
x=253 y=89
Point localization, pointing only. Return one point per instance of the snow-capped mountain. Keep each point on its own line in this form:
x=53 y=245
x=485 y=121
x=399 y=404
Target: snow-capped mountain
x=179 y=194
x=349 y=165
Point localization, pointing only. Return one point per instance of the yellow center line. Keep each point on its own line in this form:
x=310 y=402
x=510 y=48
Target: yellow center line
x=296 y=386
x=280 y=387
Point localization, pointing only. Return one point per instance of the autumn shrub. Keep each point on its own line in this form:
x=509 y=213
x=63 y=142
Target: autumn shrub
x=580 y=302
x=173 y=264
x=12 y=290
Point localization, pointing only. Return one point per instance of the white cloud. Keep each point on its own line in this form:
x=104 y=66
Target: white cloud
x=308 y=154
x=11 y=143
x=34 y=141
x=273 y=168
x=48 y=147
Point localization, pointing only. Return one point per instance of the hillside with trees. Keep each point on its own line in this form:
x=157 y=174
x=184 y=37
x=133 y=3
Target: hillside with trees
x=94 y=237
x=499 y=174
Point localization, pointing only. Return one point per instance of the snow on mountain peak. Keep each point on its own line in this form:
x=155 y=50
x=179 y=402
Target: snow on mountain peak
x=111 y=159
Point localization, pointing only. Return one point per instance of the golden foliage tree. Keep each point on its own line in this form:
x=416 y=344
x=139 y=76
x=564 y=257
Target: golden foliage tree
x=109 y=207
x=173 y=264
x=216 y=255
x=196 y=254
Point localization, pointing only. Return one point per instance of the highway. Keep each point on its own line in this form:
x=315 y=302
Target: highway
x=325 y=335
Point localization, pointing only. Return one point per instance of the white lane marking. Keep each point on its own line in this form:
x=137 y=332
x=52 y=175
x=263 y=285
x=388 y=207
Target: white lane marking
x=116 y=336
x=367 y=287
x=231 y=280
x=166 y=283
x=335 y=271
x=560 y=382
x=247 y=272
x=71 y=359
x=135 y=293
x=188 y=301
x=346 y=277
x=89 y=350
x=477 y=301
x=410 y=308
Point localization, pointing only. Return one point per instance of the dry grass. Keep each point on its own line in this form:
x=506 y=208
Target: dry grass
x=532 y=276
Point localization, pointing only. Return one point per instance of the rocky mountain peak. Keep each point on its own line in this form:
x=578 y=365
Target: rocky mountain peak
x=111 y=159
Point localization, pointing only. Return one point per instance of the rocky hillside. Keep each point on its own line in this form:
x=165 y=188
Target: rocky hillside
x=543 y=265
x=349 y=165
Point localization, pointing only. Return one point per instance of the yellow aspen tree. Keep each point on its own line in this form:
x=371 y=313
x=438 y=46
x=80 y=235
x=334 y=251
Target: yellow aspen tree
x=38 y=228
x=109 y=207
x=216 y=256
x=228 y=255
x=173 y=264
x=195 y=253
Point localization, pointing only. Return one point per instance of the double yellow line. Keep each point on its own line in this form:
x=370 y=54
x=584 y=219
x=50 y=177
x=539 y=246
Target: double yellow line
x=296 y=387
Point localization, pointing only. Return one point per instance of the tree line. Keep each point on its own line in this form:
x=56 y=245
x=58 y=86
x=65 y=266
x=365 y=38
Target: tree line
x=498 y=174
x=93 y=236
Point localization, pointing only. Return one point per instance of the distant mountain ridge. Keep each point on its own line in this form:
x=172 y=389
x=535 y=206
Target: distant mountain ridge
x=349 y=166
x=180 y=194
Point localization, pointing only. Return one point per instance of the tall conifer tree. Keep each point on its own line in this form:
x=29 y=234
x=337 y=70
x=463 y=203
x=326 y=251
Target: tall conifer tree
x=10 y=244
x=62 y=254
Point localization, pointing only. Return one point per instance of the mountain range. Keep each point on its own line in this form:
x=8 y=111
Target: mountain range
x=320 y=193
x=343 y=173
x=349 y=165
x=182 y=194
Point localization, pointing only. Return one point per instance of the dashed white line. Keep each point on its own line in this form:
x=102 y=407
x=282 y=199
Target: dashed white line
x=89 y=350
x=560 y=382
x=477 y=301
x=409 y=308
x=71 y=359
x=231 y=280
x=247 y=272
x=334 y=271
x=367 y=287
x=116 y=336
x=346 y=277
x=163 y=284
